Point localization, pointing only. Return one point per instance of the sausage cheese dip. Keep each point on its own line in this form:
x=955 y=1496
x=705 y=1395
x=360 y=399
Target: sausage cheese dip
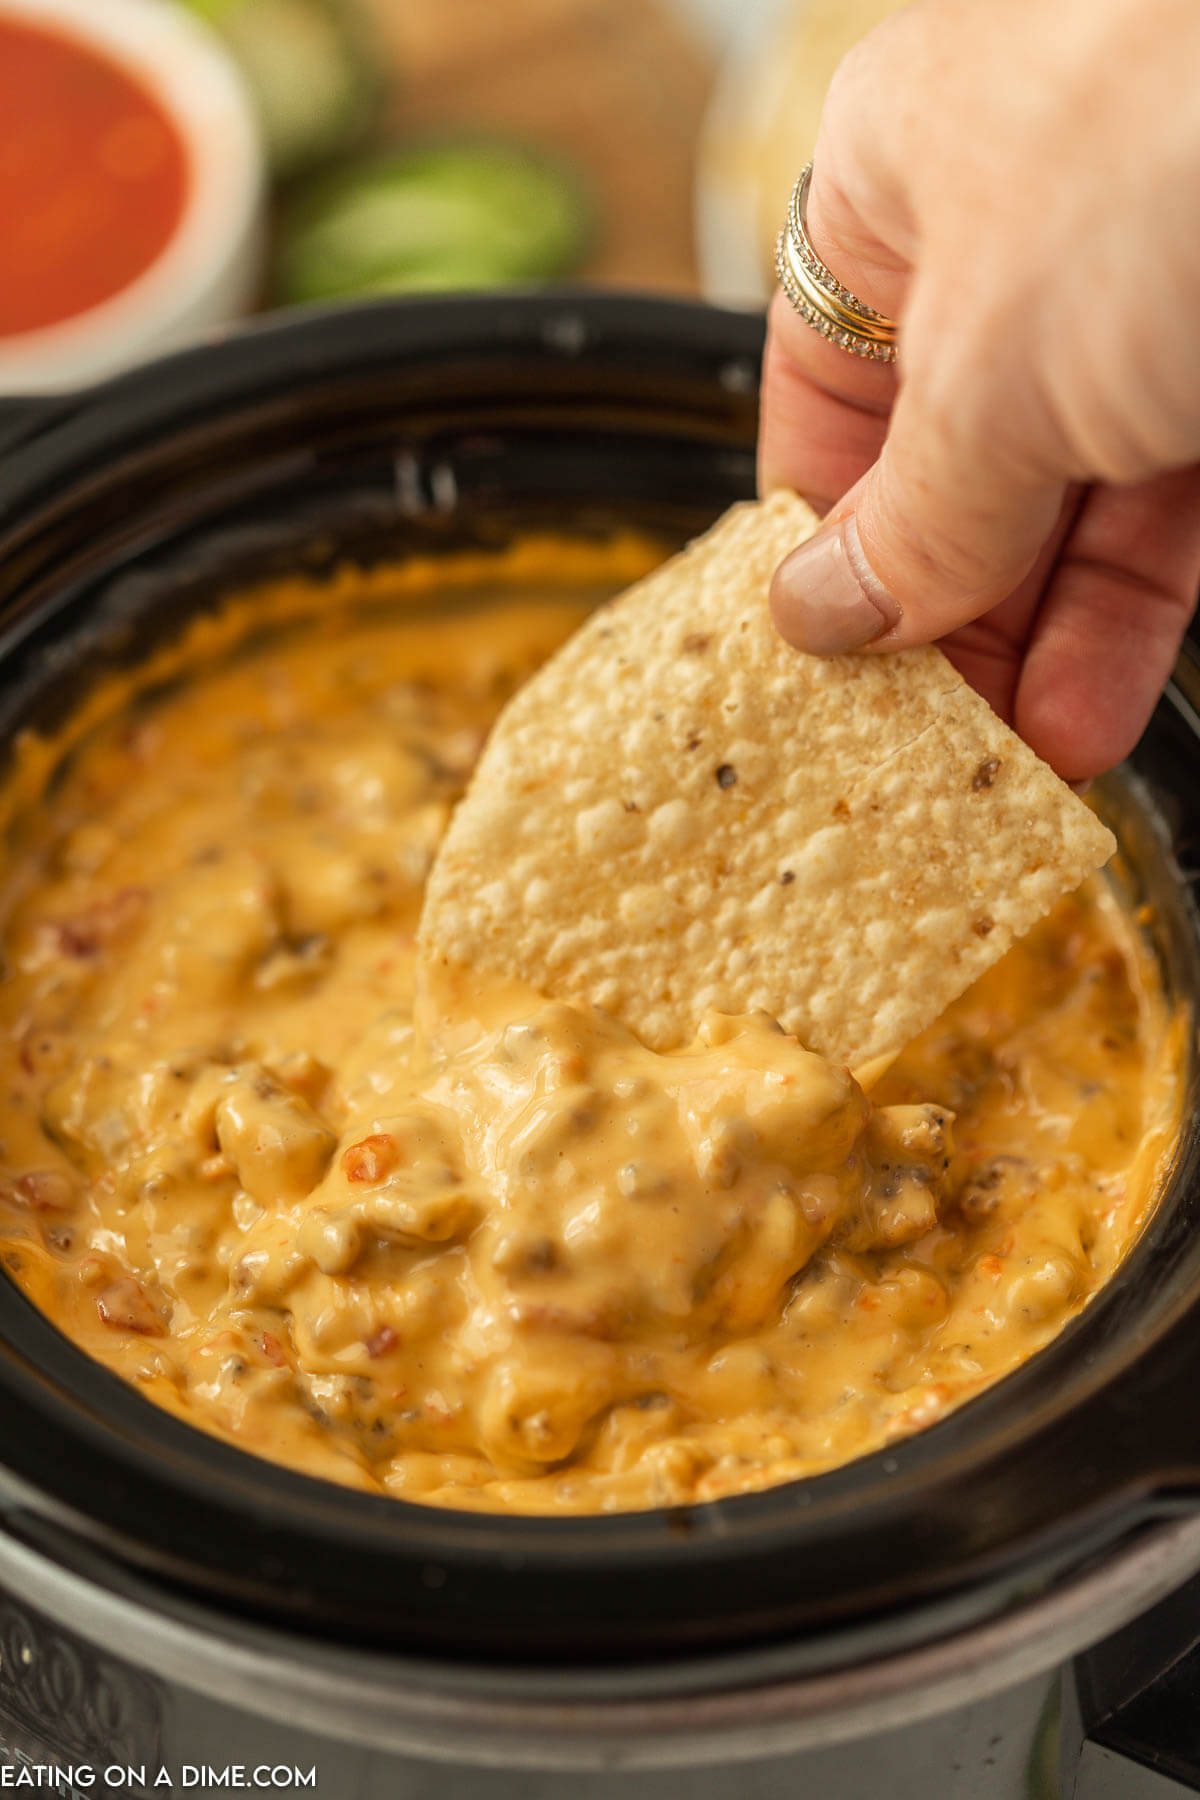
x=444 y=1239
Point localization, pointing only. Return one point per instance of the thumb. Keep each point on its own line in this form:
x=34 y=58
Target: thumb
x=939 y=530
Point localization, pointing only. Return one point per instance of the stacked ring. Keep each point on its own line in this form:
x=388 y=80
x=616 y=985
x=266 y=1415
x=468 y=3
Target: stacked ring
x=817 y=294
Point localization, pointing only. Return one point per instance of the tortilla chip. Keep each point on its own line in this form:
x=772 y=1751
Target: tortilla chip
x=680 y=811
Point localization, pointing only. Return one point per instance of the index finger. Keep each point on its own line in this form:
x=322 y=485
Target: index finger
x=825 y=410
x=824 y=413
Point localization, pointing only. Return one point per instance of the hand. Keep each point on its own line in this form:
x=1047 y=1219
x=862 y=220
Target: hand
x=1018 y=186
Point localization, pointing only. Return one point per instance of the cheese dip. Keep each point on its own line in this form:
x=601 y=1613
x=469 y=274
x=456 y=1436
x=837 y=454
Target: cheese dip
x=443 y=1239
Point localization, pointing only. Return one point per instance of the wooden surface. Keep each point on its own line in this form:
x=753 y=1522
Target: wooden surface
x=618 y=87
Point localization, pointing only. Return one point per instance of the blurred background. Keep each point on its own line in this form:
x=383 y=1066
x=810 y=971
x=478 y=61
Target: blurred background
x=169 y=165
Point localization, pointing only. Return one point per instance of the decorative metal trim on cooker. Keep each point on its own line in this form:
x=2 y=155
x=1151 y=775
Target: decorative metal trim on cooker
x=61 y=1691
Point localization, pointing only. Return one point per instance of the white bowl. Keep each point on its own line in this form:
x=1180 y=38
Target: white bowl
x=209 y=270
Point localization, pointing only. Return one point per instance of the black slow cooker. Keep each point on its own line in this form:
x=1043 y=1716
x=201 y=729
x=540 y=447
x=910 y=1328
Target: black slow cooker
x=147 y=1562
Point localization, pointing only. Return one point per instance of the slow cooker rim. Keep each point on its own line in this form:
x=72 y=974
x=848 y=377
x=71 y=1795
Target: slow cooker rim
x=699 y=339
x=266 y=354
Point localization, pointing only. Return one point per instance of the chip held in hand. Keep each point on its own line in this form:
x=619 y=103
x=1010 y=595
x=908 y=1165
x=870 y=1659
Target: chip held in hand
x=681 y=812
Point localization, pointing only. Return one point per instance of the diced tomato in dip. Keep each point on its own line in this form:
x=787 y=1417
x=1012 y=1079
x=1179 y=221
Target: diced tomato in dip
x=93 y=178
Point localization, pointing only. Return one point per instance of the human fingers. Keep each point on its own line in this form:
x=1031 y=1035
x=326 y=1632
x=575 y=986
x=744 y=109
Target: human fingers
x=822 y=424
x=955 y=510
x=1111 y=622
x=823 y=411
x=989 y=652
x=940 y=531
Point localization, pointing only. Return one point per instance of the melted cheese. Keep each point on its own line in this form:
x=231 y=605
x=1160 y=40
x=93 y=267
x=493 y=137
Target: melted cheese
x=471 y=1247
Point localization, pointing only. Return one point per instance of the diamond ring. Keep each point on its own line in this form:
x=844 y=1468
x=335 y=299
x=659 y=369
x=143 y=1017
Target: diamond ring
x=817 y=294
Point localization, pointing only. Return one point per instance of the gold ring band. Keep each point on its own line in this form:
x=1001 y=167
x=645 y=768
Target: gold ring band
x=817 y=294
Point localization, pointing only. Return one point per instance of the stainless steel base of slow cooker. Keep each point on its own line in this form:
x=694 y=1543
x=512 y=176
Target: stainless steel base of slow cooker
x=505 y=1717
x=1003 y=1748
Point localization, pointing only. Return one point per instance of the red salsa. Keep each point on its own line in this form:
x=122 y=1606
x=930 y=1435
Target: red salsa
x=93 y=177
